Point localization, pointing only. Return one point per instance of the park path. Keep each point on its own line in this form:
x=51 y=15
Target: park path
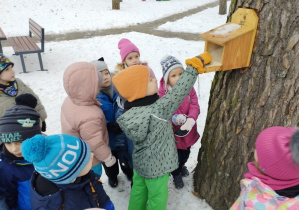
x=147 y=28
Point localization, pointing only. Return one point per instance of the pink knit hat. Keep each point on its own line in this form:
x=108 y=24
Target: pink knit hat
x=126 y=47
x=274 y=147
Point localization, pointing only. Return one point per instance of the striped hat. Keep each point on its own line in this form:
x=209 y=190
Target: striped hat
x=58 y=158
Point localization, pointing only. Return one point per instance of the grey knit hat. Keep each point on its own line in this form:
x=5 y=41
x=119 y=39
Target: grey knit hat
x=19 y=123
x=169 y=63
x=100 y=64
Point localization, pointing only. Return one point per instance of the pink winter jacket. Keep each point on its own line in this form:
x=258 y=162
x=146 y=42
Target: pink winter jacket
x=81 y=115
x=188 y=107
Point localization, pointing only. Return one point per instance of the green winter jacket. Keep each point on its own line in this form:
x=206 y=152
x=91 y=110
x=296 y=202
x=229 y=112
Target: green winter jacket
x=149 y=127
x=7 y=102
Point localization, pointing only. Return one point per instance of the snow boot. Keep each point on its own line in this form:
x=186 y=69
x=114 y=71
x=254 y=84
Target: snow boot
x=113 y=182
x=178 y=182
x=184 y=171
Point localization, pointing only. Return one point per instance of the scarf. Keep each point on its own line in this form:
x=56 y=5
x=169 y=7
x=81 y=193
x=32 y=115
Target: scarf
x=108 y=90
x=147 y=100
x=275 y=184
x=10 y=89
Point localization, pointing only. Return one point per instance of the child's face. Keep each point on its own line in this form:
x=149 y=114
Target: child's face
x=106 y=79
x=87 y=167
x=14 y=148
x=152 y=86
x=132 y=59
x=7 y=75
x=174 y=75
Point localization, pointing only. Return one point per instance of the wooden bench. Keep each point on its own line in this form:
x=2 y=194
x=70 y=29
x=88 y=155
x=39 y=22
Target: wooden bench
x=2 y=37
x=26 y=44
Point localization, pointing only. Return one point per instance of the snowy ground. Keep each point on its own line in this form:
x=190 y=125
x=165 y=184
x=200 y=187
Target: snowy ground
x=97 y=14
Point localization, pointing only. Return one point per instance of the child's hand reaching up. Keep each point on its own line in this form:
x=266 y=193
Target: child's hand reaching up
x=199 y=61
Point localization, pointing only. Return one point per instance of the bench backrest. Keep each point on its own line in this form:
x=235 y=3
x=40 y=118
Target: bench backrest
x=38 y=31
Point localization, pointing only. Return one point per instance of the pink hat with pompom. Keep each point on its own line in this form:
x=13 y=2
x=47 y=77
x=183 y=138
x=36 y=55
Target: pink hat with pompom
x=126 y=47
x=277 y=151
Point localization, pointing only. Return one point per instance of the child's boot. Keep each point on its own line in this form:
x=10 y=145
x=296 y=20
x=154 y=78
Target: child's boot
x=184 y=171
x=112 y=173
x=113 y=182
x=178 y=181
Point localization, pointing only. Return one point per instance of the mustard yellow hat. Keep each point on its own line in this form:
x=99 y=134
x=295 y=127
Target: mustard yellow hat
x=131 y=83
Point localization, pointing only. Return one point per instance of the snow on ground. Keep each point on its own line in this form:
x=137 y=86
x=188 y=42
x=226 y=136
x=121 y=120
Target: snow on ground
x=60 y=16
x=197 y=23
x=97 y=14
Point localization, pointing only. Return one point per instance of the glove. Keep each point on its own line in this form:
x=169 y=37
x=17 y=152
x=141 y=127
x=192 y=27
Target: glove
x=111 y=160
x=179 y=119
x=188 y=124
x=114 y=128
x=44 y=126
x=112 y=171
x=185 y=128
x=198 y=62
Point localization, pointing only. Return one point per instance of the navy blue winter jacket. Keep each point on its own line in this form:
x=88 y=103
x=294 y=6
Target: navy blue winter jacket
x=77 y=195
x=118 y=142
x=109 y=107
x=15 y=181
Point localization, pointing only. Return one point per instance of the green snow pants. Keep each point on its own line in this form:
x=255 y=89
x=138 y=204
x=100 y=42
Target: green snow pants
x=149 y=194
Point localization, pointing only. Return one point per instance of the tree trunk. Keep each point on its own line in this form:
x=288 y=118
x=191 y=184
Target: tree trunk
x=222 y=7
x=243 y=102
x=115 y=4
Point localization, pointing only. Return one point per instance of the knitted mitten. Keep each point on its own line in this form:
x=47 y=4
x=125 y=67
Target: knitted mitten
x=198 y=62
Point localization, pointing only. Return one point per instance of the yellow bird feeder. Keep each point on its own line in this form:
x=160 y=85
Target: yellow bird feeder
x=230 y=45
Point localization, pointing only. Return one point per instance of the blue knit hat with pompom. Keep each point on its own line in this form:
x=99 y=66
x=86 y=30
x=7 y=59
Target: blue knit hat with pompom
x=58 y=158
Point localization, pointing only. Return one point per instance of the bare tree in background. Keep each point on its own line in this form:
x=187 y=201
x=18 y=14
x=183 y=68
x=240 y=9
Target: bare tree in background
x=243 y=102
x=222 y=7
x=115 y=4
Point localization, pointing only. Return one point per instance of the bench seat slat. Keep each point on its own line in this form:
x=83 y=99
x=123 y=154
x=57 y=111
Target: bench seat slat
x=23 y=44
x=36 y=31
x=35 y=28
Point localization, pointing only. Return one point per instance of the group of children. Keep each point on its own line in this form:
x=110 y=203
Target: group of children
x=122 y=120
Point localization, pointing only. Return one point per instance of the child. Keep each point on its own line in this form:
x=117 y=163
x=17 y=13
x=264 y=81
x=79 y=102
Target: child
x=16 y=125
x=10 y=87
x=63 y=177
x=188 y=111
x=82 y=116
x=273 y=178
x=130 y=56
x=118 y=141
x=146 y=123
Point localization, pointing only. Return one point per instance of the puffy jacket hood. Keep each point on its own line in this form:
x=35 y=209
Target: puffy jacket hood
x=80 y=81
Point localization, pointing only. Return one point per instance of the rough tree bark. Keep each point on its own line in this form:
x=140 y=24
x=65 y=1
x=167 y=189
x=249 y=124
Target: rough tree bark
x=245 y=101
x=222 y=7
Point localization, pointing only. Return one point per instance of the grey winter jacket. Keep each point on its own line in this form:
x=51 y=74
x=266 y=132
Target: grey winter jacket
x=149 y=127
x=7 y=102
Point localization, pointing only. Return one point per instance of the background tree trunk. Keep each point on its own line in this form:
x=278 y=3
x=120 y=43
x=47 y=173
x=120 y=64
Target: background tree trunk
x=115 y=4
x=222 y=7
x=243 y=102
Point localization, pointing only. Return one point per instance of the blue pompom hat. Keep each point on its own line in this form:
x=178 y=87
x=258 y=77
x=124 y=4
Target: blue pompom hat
x=58 y=158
